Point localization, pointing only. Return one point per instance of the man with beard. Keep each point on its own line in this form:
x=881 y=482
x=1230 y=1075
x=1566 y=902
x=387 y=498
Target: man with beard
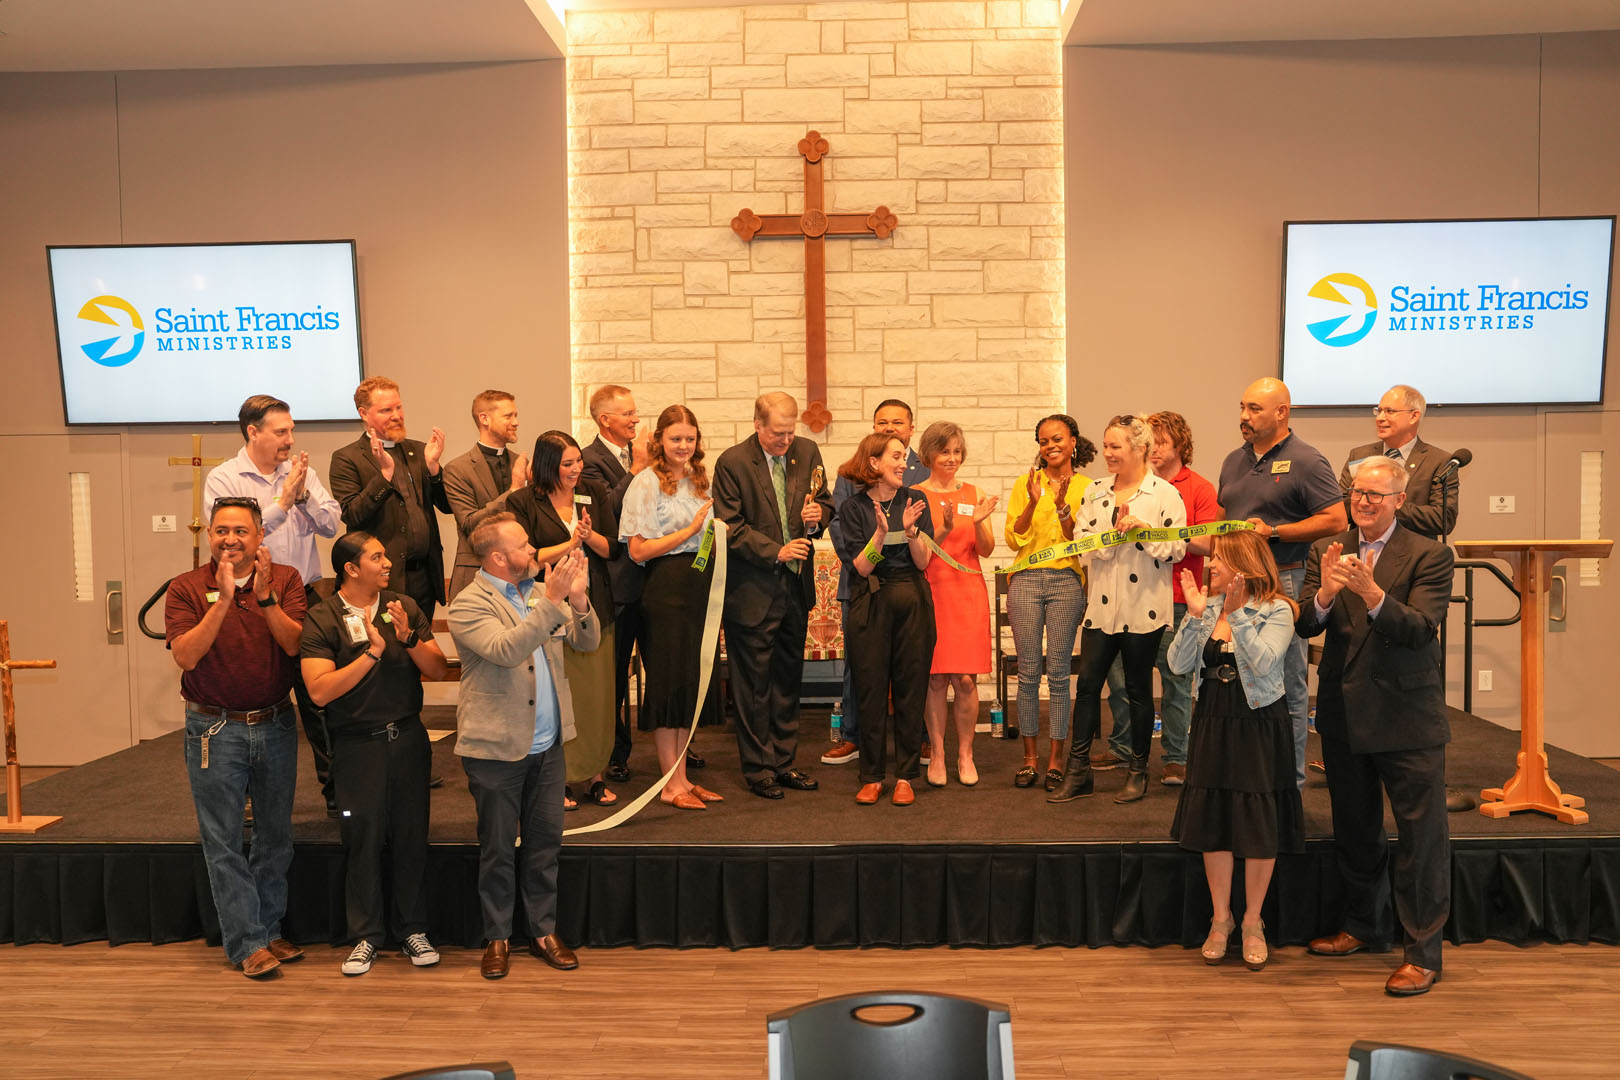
x=389 y=485
x=478 y=482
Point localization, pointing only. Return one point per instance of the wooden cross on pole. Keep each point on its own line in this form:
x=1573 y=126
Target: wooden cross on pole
x=14 y=821
x=196 y=462
x=815 y=225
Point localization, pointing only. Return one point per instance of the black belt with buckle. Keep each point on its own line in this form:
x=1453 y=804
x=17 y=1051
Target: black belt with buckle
x=1222 y=673
x=250 y=717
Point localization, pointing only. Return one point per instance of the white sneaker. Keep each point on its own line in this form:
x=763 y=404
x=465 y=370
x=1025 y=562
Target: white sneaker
x=421 y=950
x=359 y=961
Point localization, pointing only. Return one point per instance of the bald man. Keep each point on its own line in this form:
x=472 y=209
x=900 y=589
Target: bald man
x=1287 y=489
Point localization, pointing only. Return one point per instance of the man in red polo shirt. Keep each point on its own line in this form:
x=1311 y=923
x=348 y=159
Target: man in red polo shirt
x=1172 y=451
x=233 y=626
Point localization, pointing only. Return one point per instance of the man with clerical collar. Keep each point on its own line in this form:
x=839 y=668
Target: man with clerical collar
x=1380 y=591
x=389 y=485
x=1431 y=500
x=514 y=716
x=295 y=509
x=478 y=482
x=1287 y=490
x=891 y=417
x=233 y=628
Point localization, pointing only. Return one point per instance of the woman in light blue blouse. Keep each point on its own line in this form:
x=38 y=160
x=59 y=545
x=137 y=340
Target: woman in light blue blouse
x=666 y=510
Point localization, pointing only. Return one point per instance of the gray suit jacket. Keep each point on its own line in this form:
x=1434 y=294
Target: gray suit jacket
x=1426 y=496
x=473 y=495
x=495 y=710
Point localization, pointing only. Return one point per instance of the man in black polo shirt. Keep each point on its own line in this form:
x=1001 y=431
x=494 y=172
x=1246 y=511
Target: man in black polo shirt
x=233 y=628
x=1287 y=489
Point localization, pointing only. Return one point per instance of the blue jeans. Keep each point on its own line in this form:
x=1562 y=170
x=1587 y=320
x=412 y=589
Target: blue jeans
x=1175 y=709
x=849 y=726
x=261 y=760
x=1296 y=679
x=1054 y=601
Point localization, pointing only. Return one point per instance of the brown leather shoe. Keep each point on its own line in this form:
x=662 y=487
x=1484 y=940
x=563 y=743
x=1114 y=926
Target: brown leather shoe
x=551 y=949
x=1409 y=980
x=285 y=951
x=1340 y=944
x=706 y=795
x=684 y=801
x=903 y=795
x=496 y=960
x=262 y=962
x=869 y=794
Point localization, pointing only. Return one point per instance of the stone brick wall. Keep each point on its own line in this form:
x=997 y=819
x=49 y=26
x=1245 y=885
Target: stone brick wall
x=949 y=113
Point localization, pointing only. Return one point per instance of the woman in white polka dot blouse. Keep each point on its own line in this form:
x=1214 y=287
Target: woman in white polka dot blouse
x=1131 y=599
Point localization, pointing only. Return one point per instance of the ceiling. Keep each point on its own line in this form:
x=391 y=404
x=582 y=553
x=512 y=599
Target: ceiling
x=123 y=35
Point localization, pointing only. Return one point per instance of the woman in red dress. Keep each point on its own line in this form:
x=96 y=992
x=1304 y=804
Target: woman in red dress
x=961 y=517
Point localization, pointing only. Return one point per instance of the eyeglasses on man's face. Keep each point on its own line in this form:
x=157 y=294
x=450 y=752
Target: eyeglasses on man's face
x=1381 y=411
x=1372 y=498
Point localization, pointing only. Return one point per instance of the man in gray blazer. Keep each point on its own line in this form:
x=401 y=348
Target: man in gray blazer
x=478 y=482
x=1431 y=500
x=513 y=717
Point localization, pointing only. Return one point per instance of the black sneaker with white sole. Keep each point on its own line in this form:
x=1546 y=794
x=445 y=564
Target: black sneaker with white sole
x=420 y=950
x=359 y=961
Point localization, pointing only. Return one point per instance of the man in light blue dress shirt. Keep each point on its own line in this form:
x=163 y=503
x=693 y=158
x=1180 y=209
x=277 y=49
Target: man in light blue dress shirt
x=296 y=509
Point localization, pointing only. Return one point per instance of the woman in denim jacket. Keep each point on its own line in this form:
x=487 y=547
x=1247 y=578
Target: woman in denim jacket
x=1240 y=800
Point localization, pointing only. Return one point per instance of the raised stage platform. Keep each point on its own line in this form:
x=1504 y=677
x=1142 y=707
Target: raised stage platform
x=985 y=866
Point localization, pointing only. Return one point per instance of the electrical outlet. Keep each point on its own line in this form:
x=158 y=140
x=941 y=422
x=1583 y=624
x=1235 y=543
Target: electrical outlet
x=163 y=523
x=1502 y=504
x=1485 y=680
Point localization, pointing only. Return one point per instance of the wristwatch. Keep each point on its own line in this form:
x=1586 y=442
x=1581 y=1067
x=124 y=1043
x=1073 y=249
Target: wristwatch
x=412 y=641
x=270 y=601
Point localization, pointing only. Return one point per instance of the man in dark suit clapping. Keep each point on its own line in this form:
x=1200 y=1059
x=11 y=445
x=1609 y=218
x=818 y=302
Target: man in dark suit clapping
x=763 y=492
x=1431 y=500
x=1380 y=592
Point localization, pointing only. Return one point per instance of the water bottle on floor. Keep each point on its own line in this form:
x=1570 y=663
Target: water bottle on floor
x=998 y=721
x=836 y=726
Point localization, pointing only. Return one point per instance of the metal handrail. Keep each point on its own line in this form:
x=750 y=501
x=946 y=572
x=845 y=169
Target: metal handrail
x=140 y=619
x=1468 y=566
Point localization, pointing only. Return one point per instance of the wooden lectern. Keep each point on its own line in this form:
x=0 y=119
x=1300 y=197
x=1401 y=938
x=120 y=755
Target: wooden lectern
x=1532 y=561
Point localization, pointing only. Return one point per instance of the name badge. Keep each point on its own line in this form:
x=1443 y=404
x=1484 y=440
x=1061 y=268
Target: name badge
x=894 y=537
x=212 y=596
x=965 y=508
x=581 y=497
x=533 y=602
x=1279 y=467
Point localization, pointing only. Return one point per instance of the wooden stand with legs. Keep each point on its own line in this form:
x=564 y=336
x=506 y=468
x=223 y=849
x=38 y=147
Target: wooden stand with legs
x=1530 y=787
x=15 y=821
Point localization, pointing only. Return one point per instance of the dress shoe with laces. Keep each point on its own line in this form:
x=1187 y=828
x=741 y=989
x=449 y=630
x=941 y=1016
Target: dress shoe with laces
x=798 y=780
x=1340 y=944
x=694 y=760
x=841 y=753
x=496 y=961
x=1409 y=980
x=767 y=788
x=617 y=772
x=285 y=951
x=260 y=963
x=551 y=949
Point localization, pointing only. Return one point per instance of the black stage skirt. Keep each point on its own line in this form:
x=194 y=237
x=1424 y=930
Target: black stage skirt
x=1240 y=794
x=670 y=638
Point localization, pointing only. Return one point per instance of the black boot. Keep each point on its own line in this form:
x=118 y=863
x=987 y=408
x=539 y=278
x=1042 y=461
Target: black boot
x=1136 y=782
x=1077 y=777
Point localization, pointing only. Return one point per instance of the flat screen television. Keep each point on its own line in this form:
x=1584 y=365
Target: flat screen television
x=184 y=333
x=1511 y=311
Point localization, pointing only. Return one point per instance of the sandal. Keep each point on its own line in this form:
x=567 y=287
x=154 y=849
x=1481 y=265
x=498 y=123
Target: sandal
x=1024 y=777
x=706 y=795
x=1254 y=946
x=1219 y=940
x=1054 y=779
x=600 y=795
x=684 y=801
x=568 y=800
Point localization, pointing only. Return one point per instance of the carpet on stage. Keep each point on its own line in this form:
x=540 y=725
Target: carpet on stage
x=989 y=865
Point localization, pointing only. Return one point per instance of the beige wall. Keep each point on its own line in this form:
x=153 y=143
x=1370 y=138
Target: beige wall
x=450 y=179
x=1182 y=163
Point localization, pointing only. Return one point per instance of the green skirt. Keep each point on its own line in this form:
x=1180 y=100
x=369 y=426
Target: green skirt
x=590 y=684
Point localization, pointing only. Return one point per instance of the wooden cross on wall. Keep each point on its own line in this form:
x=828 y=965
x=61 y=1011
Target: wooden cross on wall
x=195 y=463
x=815 y=225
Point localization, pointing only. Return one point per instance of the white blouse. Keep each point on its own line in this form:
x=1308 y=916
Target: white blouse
x=1129 y=585
x=650 y=514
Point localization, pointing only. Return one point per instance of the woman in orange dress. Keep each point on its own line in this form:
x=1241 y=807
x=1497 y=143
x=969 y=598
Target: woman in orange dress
x=961 y=517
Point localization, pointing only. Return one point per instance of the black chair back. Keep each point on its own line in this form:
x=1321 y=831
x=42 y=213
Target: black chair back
x=936 y=1036
x=1391 y=1061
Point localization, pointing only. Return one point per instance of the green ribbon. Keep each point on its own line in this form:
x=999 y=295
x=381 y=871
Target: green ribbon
x=705 y=549
x=1114 y=538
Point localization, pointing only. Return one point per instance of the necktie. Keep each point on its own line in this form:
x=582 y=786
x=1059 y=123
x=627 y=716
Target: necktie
x=624 y=457
x=779 y=480
x=1393 y=452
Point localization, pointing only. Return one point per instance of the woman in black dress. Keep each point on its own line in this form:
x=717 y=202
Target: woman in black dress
x=1240 y=800
x=561 y=511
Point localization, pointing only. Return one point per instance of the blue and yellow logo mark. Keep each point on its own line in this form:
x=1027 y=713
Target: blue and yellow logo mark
x=100 y=310
x=1351 y=326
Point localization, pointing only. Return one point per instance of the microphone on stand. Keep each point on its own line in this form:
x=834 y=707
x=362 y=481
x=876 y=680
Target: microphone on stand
x=1459 y=459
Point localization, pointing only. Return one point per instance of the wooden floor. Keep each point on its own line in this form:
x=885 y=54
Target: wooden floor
x=1131 y=1014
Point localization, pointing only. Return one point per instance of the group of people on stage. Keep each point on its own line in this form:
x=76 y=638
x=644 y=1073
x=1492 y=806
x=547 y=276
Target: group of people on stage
x=573 y=557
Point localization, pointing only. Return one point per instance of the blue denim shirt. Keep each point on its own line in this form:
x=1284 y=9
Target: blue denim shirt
x=1260 y=639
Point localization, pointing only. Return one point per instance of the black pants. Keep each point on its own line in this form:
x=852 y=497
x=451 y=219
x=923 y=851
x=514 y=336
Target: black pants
x=1416 y=783
x=418 y=585
x=518 y=798
x=381 y=782
x=766 y=667
x=1097 y=651
x=627 y=624
x=314 y=719
x=890 y=645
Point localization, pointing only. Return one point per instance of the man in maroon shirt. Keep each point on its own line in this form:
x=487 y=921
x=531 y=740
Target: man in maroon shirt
x=1172 y=452
x=233 y=626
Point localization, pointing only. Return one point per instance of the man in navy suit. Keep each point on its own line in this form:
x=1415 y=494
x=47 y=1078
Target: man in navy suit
x=1380 y=592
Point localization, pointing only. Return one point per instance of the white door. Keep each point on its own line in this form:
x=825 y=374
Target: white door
x=62 y=554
